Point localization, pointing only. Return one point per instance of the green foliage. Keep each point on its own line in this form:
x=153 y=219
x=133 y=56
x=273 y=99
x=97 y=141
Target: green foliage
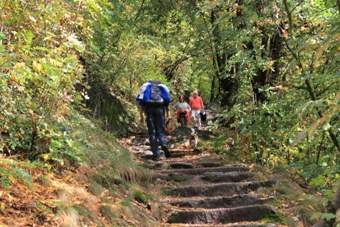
x=326 y=216
x=141 y=197
x=38 y=75
x=10 y=172
x=215 y=144
x=271 y=216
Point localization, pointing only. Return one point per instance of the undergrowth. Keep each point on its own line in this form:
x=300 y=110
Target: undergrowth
x=297 y=196
x=106 y=174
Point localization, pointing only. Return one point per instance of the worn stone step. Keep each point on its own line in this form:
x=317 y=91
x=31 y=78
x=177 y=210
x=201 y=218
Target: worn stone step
x=221 y=202
x=217 y=177
x=209 y=164
x=241 y=224
x=222 y=215
x=214 y=177
x=150 y=156
x=181 y=165
x=199 y=171
x=219 y=189
x=180 y=154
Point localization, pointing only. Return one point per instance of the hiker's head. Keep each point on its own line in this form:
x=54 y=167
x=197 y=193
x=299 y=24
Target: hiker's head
x=181 y=98
x=195 y=93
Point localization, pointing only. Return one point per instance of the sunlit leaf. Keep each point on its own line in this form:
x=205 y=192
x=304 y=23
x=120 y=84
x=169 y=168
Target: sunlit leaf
x=299 y=137
x=314 y=127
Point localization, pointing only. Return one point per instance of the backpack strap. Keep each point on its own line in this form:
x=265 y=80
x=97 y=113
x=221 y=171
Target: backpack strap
x=140 y=96
x=154 y=82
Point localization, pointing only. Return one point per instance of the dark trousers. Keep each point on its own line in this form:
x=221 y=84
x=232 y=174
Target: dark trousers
x=155 y=120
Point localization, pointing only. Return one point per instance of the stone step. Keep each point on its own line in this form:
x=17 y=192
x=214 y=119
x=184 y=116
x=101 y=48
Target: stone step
x=217 y=177
x=199 y=171
x=241 y=224
x=213 y=177
x=221 y=202
x=209 y=164
x=181 y=165
x=218 y=189
x=222 y=215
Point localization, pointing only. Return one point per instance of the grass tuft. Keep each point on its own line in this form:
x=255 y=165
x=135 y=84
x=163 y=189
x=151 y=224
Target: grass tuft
x=44 y=181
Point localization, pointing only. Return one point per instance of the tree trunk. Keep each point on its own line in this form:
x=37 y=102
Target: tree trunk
x=228 y=86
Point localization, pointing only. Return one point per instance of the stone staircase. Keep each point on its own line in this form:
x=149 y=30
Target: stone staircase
x=201 y=190
x=213 y=194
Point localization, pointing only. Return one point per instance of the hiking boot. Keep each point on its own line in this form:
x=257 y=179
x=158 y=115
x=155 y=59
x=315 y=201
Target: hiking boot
x=166 y=151
x=158 y=158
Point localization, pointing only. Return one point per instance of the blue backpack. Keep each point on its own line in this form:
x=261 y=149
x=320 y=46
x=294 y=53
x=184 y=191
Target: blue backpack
x=156 y=97
x=153 y=93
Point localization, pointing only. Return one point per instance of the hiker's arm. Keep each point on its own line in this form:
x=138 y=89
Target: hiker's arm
x=167 y=112
x=141 y=116
x=202 y=103
x=175 y=106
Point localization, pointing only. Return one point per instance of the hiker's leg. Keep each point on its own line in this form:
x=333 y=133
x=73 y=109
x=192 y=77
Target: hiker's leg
x=196 y=115
x=151 y=123
x=194 y=119
x=199 y=120
x=160 y=130
x=160 y=125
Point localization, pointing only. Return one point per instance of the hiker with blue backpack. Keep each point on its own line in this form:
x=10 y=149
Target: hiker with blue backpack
x=154 y=101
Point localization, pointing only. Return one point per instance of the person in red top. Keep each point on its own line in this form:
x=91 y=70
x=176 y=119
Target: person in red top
x=196 y=104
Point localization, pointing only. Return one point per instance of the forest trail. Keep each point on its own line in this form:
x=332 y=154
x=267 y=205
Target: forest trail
x=203 y=189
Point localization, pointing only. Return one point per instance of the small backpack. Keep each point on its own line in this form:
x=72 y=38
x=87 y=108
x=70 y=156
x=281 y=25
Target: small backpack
x=156 y=97
x=153 y=93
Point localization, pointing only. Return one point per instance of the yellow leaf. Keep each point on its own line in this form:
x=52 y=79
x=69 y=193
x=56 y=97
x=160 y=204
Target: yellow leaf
x=55 y=62
x=2 y=206
x=37 y=66
x=19 y=65
x=70 y=143
x=14 y=77
x=12 y=178
x=45 y=156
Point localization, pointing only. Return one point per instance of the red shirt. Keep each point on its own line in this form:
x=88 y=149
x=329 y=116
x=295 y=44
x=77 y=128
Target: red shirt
x=196 y=103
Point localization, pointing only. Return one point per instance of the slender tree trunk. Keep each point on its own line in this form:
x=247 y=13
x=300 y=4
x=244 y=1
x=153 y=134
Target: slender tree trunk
x=320 y=148
x=227 y=84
